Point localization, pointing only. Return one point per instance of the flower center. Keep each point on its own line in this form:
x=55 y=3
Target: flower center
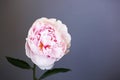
x=41 y=45
x=46 y=37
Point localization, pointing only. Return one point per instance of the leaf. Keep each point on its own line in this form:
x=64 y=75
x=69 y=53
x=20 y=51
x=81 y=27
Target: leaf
x=54 y=71
x=18 y=63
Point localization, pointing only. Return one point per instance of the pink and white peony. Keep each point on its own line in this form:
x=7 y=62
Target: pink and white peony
x=48 y=41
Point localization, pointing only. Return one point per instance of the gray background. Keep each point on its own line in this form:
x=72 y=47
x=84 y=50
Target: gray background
x=93 y=24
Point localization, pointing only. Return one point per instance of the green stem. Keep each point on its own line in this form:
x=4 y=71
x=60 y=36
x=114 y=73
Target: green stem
x=34 y=72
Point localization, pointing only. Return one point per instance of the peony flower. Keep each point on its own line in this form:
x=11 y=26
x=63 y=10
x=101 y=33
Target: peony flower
x=48 y=41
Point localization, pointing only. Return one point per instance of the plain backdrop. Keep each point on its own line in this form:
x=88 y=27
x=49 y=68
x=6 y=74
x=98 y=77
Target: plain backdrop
x=93 y=24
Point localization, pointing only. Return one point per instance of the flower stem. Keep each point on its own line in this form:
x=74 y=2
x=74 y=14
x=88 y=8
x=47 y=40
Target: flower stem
x=34 y=72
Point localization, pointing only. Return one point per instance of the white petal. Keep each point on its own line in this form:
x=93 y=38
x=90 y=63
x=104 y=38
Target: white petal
x=43 y=62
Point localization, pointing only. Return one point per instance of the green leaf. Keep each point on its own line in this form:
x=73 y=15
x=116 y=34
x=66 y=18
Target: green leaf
x=53 y=71
x=18 y=63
